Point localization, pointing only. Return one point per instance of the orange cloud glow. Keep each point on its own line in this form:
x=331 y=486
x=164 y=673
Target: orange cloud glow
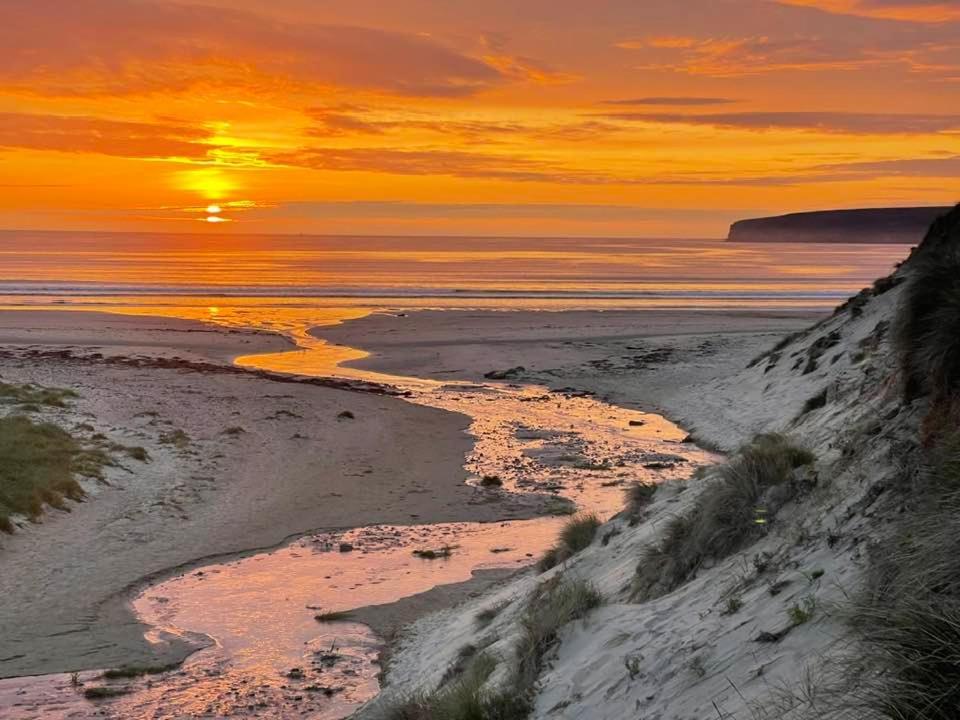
x=549 y=116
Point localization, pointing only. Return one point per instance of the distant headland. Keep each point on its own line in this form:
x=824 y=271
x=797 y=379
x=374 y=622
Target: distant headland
x=873 y=225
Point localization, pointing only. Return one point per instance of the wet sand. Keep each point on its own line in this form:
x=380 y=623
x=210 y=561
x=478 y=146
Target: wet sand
x=260 y=461
x=655 y=360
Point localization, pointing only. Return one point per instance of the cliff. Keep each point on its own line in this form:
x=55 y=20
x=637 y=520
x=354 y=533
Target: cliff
x=878 y=225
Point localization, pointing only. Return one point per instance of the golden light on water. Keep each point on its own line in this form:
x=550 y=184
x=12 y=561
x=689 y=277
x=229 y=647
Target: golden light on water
x=216 y=219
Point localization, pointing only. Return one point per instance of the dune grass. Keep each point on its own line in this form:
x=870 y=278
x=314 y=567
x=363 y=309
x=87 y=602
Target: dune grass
x=908 y=620
x=576 y=535
x=38 y=464
x=465 y=695
x=730 y=513
x=463 y=698
x=928 y=322
x=554 y=604
x=34 y=395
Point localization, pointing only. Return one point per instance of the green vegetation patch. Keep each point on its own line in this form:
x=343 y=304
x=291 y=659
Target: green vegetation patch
x=39 y=462
x=34 y=395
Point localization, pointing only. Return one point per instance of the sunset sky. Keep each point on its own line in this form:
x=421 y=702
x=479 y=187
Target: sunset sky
x=505 y=117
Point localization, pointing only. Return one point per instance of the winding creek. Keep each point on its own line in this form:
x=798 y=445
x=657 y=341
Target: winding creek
x=267 y=653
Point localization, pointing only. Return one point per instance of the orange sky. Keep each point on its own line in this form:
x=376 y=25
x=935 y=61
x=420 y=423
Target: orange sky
x=527 y=117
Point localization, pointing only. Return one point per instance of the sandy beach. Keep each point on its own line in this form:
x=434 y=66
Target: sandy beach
x=261 y=459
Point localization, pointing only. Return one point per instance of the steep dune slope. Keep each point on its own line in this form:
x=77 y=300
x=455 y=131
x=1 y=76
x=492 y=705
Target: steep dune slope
x=758 y=632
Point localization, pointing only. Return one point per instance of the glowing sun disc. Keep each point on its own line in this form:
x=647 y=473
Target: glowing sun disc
x=213 y=209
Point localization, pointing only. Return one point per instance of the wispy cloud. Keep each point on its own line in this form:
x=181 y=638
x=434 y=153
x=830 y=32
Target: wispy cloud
x=830 y=122
x=940 y=167
x=723 y=57
x=401 y=209
x=348 y=119
x=83 y=134
x=925 y=11
x=49 y=47
x=672 y=101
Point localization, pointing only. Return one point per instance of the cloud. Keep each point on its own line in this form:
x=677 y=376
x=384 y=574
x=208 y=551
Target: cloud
x=672 y=101
x=940 y=167
x=347 y=119
x=340 y=120
x=490 y=166
x=831 y=122
x=421 y=162
x=49 y=47
x=83 y=134
x=924 y=11
x=915 y=49
x=399 y=209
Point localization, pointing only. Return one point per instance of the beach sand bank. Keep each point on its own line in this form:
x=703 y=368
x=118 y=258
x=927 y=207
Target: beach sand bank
x=295 y=465
x=655 y=360
x=237 y=462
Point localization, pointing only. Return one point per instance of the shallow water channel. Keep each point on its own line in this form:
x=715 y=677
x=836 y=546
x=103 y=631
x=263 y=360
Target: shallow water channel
x=268 y=653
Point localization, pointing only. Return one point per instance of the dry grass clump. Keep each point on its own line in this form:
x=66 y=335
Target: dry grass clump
x=104 y=692
x=134 y=671
x=928 y=321
x=909 y=619
x=575 y=536
x=38 y=462
x=178 y=438
x=35 y=395
x=488 y=615
x=553 y=604
x=639 y=495
x=730 y=513
x=463 y=698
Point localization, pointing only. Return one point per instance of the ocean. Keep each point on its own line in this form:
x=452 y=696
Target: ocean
x=153 y=269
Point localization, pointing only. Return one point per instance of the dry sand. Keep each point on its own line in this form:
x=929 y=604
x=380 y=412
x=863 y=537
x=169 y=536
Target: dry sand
x=653 y=360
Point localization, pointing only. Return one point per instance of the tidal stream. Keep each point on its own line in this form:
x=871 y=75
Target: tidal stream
x=273 y=650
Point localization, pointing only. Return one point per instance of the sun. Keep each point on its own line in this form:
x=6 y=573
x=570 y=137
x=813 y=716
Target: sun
x=210 y=183
x=213 y=209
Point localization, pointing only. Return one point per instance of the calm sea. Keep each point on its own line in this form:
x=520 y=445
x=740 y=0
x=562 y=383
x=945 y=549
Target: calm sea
x=185 y=270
